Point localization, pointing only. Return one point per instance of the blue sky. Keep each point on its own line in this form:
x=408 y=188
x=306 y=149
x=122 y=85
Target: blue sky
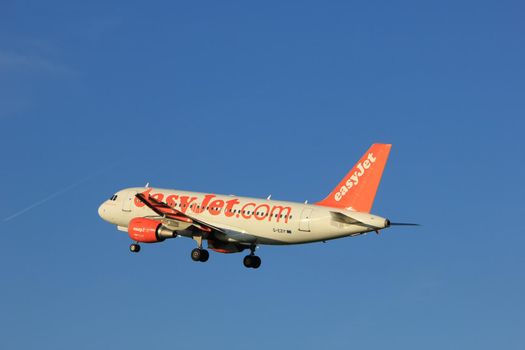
x=254 y=99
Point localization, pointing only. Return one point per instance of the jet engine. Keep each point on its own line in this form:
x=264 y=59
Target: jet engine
x=148 y=231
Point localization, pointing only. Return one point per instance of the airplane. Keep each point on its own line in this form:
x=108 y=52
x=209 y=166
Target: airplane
x=232 y=224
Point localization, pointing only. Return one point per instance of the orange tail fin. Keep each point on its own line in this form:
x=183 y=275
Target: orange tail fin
x=358 y=189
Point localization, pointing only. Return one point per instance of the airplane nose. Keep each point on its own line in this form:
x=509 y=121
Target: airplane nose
x=102 y=211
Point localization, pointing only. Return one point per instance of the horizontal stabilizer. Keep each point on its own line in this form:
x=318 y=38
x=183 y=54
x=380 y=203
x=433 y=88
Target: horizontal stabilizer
x=365 y=220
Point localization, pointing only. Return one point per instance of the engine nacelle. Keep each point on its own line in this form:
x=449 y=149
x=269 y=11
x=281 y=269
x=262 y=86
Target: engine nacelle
x=148 y=231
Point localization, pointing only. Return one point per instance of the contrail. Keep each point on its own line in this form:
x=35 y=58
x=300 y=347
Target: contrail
x=58 y=193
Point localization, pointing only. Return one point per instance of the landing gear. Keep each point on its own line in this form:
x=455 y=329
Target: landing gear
x=134 y=248
x=199 y=254
x=252 y=261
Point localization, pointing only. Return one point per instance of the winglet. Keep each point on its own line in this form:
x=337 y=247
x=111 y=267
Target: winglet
x=358 y=188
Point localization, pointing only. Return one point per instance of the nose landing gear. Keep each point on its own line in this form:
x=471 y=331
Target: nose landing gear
x=134 y=248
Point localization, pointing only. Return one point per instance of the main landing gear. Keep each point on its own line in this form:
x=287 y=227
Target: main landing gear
x=199 y=254
x=134 y=248
x=252 y=260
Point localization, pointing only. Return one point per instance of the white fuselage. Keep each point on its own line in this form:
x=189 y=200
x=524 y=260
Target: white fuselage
x=269 y=221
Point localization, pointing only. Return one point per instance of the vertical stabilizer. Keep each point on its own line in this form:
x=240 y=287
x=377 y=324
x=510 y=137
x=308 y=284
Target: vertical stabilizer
x=358 y=188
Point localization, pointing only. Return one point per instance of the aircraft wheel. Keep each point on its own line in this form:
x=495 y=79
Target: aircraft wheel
x=247 y=261
x=135 y=248
x=204 y=255
x=256 y=262
x=252 y=261
x=198 y=254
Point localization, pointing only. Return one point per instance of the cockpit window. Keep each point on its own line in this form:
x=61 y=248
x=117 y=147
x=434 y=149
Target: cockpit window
x=113 y=197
